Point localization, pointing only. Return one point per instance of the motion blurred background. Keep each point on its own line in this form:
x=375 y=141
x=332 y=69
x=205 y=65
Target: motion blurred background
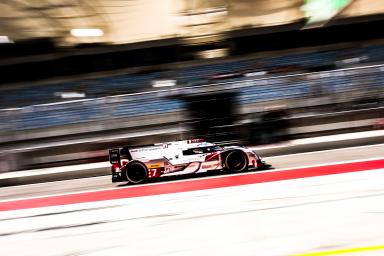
x=81 y=76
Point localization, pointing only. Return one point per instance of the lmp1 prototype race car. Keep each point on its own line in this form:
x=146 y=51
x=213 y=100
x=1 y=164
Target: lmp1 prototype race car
x=137 y=164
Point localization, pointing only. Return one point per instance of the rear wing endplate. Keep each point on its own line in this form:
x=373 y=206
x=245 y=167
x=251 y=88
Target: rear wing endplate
x=114 y=156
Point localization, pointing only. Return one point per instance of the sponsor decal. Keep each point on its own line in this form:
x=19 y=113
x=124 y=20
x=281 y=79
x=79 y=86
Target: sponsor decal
x=154 y=166
x=208 y=166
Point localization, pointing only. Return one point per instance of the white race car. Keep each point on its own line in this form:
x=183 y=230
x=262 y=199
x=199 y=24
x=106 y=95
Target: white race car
x=137 y=164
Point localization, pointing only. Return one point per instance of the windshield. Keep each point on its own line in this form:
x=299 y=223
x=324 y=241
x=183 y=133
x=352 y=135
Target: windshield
x=201 y=150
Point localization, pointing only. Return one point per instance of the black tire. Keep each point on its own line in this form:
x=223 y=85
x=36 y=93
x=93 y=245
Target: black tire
x=136 y=172
x=236 y=161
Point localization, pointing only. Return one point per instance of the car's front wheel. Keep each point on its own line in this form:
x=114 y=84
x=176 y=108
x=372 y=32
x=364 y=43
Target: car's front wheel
x=236 y=161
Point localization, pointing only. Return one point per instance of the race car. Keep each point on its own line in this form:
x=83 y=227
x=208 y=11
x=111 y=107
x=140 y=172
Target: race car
x=137 y=164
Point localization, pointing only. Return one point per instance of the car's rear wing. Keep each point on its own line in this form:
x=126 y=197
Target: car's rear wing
x=116 y=154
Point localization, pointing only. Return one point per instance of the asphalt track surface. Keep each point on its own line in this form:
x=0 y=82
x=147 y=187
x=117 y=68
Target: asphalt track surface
x=278 y=162
x=337 y=214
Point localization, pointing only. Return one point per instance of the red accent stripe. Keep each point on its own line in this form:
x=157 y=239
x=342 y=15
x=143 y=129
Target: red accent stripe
x=191 y=185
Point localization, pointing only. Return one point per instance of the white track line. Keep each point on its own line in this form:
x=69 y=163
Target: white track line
x=339 y=137
x=70 y=168
x=326 y=150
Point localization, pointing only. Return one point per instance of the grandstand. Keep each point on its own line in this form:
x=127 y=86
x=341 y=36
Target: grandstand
x=187 y=76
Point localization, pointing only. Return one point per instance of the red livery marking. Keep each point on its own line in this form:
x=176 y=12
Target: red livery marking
x=190 y=185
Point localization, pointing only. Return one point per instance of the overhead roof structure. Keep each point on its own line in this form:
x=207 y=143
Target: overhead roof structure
x=72 y=22
x=126 y=21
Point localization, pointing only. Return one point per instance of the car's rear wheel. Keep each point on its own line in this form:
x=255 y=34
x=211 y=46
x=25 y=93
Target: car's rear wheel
x=236 y=161
x=136 y=172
